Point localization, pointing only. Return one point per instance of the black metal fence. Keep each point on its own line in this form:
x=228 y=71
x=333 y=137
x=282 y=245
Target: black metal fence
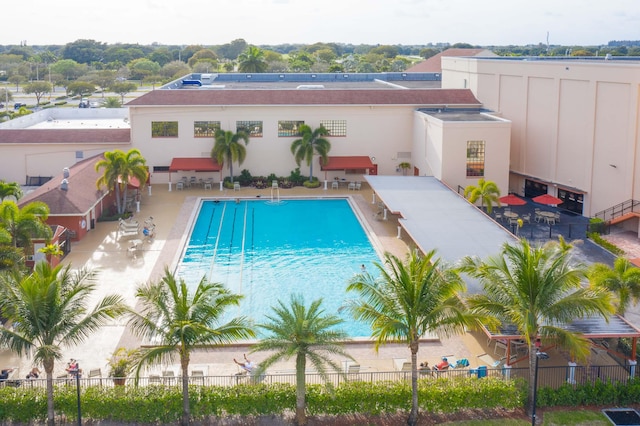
x=552 y=377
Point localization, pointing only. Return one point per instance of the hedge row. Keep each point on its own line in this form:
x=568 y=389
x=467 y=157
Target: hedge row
x=597 y=393
x=160 y=404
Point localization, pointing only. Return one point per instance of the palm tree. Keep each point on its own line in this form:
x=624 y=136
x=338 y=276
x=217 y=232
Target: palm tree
x=48 y=309
x=537 y=290
x=10 y=189
x=23 y=224
x=486 y=191
x=312 y=142
x=118 y=169
x=623 y=280
x=252 y=60
x=407 y=300
x=180 y=320
x=227 y=148
x=306 y=333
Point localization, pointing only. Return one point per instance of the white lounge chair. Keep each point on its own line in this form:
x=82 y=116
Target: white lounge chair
x=236 y=186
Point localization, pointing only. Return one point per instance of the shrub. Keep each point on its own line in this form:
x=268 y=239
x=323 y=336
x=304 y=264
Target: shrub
x=157 y=404
x=596 y=238
x=296 y=177
x=245 y=178
x=596 y=224
x=60 y=103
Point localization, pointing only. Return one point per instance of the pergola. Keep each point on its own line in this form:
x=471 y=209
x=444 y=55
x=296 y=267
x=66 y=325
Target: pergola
x=193 y=164
x=593 y=328
x=349 y=162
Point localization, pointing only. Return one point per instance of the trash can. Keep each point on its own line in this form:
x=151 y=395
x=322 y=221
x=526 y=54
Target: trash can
x=482 y=371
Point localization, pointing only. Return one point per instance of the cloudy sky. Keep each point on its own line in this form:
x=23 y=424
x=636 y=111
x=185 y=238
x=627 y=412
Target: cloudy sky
x=210 y=22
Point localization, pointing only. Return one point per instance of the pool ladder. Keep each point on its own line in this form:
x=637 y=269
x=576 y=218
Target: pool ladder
x=275 y=190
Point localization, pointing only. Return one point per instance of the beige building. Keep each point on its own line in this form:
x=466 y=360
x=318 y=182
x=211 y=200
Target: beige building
x=575 y=124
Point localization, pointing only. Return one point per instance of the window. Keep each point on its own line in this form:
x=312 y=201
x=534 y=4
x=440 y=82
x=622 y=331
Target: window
x=164 y=129
x=157 y=169
x=475 y=158
x=79 y=155
x=335 y=127
x=289 y=128
x=252 y=128
x=205 y=129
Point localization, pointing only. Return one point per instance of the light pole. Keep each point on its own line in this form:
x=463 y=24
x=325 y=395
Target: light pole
x=539 y=356
x=76 y=372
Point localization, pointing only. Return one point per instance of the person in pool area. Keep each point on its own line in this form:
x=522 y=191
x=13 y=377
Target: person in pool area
x=442 y=364
x=363 y=268
x=34 y=373
x=247 y=365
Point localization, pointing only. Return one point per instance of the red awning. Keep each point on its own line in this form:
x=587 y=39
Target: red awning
x=196 y=164
x=347 y=162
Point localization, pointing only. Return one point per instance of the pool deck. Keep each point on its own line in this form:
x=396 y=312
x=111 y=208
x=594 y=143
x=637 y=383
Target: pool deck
x=104 y=251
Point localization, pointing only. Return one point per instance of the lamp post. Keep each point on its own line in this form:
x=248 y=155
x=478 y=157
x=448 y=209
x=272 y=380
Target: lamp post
x=76 y=372
x=539 y=356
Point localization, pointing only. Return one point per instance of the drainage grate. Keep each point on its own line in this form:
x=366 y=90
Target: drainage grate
x=622 y=416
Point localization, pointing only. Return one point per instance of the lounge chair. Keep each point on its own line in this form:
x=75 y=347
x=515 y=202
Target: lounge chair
x=96 y=372
x=168 y=377
x=197 y=376
x=154 y=379
x=236 y=186
x=274 y=184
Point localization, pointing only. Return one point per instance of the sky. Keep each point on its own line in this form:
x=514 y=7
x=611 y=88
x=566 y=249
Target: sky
x=268 y=22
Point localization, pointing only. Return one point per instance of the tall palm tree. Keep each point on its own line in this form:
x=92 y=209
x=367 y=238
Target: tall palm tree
x=623 y=280
x=48 y=309
x=407 y=300
x=306 y=333
x=227 y=148
x=252 y=60
x=486 y=191
x=10 y=189
x=180 y=320
x=537 y=290
x=118 y=169
x=23 y=224
x=311 y=143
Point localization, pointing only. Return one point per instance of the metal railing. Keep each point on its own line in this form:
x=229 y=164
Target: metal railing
x=552 y=377
x=618 y=210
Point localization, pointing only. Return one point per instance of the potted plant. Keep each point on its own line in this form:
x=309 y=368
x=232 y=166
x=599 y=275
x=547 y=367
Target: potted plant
x=404 y=166
x=121 y=364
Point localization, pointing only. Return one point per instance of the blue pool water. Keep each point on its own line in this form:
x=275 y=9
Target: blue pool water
x=267 y=251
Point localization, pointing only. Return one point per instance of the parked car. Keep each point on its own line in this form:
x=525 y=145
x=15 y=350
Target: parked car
x=84 y=103
x=18 y=105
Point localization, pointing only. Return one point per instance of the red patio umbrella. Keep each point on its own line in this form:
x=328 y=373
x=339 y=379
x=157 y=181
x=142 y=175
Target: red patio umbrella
x=547 y=199
x=512 y=200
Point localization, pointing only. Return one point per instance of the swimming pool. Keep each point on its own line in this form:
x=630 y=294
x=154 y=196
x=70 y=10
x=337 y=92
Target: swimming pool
x=267 y=251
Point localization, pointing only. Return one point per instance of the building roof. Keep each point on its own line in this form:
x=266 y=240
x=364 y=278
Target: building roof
x=196 y=164
x=81 y=194
x=347 y=162
x=434 y=63
x=420 y=97
x=438 y=218
x=68 y=136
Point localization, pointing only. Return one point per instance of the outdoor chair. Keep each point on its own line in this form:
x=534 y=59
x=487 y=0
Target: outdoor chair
x=526 y=218
x=236 y=186
x=274 y=184
x=352 y=186
x=498 y=216
x=154 y=379
x=334 y=184
x=358 y=186
x=96 y=372
x=557 y=216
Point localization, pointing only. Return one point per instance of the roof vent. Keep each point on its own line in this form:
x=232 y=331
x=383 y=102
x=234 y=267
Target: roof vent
x=64 y=185
x=65 y=172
